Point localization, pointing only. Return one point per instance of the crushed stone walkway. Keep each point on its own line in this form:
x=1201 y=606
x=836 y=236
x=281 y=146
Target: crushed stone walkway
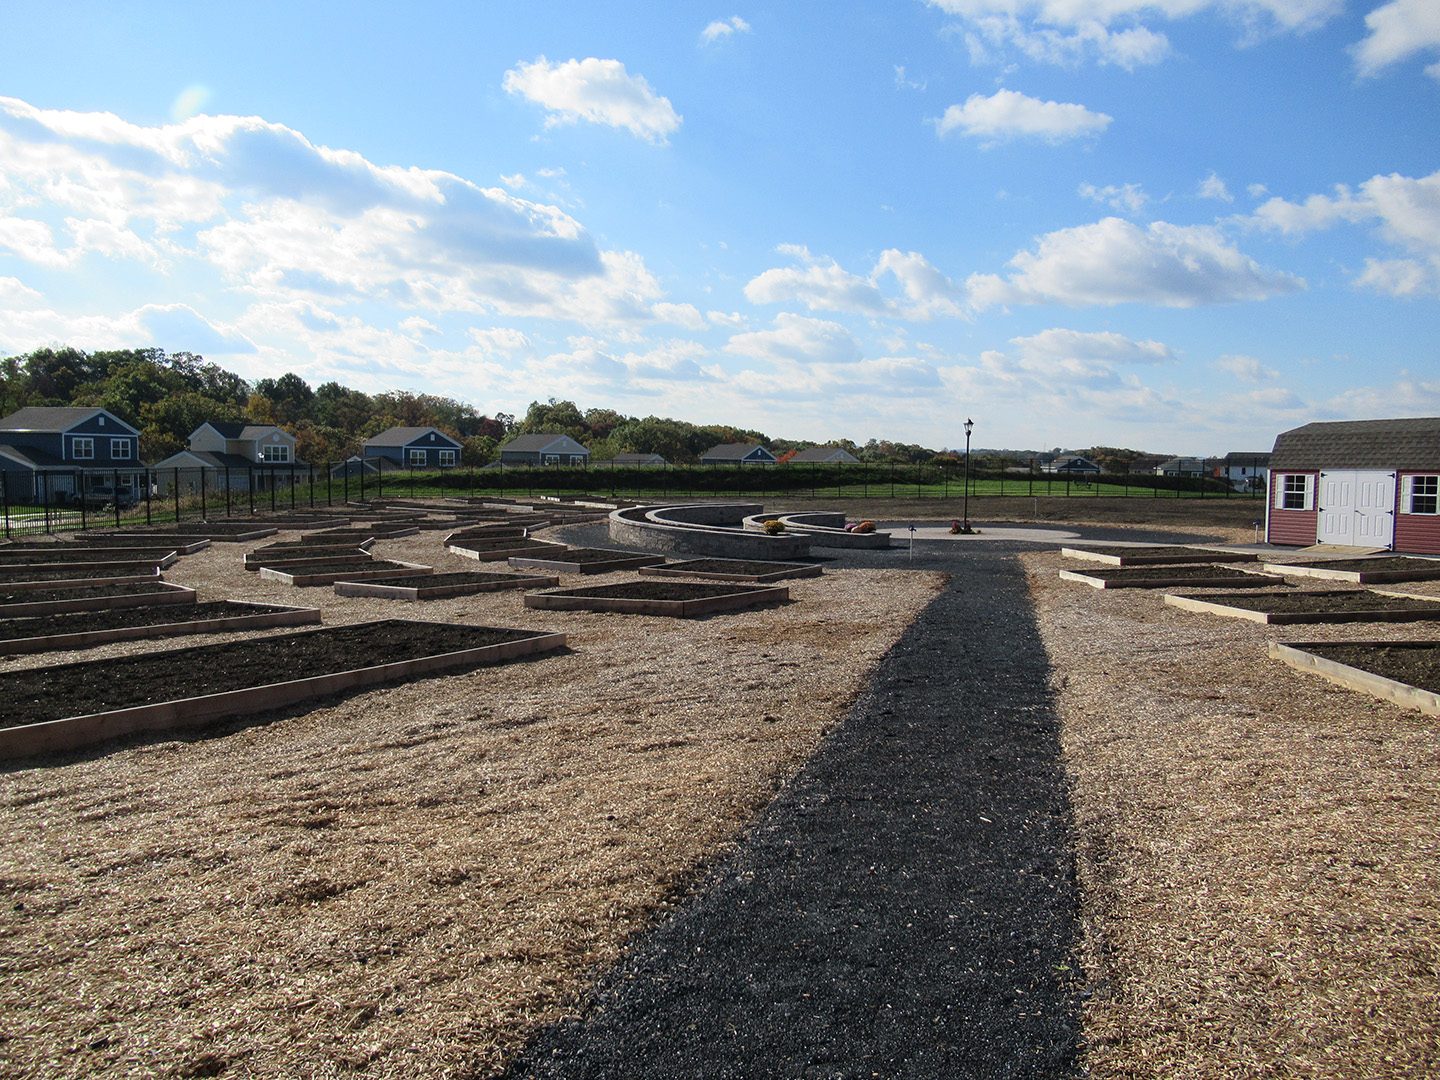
x=904 y=908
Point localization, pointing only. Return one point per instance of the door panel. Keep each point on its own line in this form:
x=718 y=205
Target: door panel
x=1357 y=508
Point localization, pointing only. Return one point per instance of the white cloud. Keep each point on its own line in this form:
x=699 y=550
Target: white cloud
x=1057 y=346
x=189 y=102
x=597 y=91
x=797 y=338
x=1406 y=210
x=1246 y=369
x=177 y=327
x=721 y=29
x=1114 y=32
x=1009 y=114
x=1212 y=187
x=1126 y=198
x=1116 y=262
x=1396 y=31
x=686 y=315
x=824 y=285
x=499 y=340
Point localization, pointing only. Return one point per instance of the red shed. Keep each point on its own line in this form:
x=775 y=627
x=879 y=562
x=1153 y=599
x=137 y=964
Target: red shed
x=1367 y=483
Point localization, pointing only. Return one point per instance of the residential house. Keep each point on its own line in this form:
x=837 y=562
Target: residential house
x=414 y=448
x=737 y=454
x=543 y=448
x=223 y=455
x=1365 y=483
x=354 y=467
x=1181 y=466
x=633 y=461
x=1246 y=472
x=824 y=455
x=1072 y=465
x=59 y=455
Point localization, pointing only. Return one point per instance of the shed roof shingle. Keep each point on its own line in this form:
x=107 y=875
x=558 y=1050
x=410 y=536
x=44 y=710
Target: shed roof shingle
x=1360 y=444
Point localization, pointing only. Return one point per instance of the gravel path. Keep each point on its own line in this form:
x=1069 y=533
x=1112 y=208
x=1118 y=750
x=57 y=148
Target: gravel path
x=905 y=908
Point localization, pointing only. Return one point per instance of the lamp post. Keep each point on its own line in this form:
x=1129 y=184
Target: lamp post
x=965 y=514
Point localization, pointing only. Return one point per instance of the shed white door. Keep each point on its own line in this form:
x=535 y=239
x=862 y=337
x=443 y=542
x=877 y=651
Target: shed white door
x=1357 y=508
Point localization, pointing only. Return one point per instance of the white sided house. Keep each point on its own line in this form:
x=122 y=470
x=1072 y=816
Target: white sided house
x=221 y=456
x=1357 y=483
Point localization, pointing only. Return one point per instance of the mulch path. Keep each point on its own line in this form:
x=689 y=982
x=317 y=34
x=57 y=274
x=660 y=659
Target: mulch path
x=906 y=907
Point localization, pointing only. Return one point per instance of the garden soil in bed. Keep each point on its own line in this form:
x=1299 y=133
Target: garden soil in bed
x=90 y=622
x=737 y=569
x=77 y=572
x=41 y=694
x=1415 y=664
x=1322 y=601
x=1156 y=555
x=1161 y=576
x=653 y=590
x=440 y=581
x=81 y=592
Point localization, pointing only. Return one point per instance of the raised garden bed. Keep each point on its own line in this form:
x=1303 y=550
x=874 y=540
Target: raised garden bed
x=52 y=600
x=80 y=571
x=322 y=557
x=1351 y=605
x=683 y=599
x=585 y=561
x=57 y=555
x=1363 y=571
x=364 y=538
x=75 y=705
x=331 y=572
x=1158 y=555
x=1404 y=672
x=85 y=629
x=387 y=531
x=439 y=586
x=751 y=570
x=219 y=532
x=487 y=532
x=500 y=550
x=274 y=552
x=1164 y=577
x=181 y=545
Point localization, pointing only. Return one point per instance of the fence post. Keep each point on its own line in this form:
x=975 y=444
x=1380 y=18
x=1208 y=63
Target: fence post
x=45 y=503
x=5 y=499
x=204 y=515
x=227 y=492
x=116 y=489
x=80 y=485
x=149 y=483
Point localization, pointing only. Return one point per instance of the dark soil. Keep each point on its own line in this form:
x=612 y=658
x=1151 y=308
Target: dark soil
x=653 y=589
x=340 y=567
x=1395 y=562
x=193 y=528
x=57 y=553
x=86 y=541
x=82 y=622
x=581 y=556
x=79 y=592
x=906 y=907
x=33 y=696
x=1415 y=664
x=431 y=581
x=503 y=543
x=1199 y=571
x=1351 y=600
x=305 y=551
x=734 y=566
x=77 y=572
x=1160 y=554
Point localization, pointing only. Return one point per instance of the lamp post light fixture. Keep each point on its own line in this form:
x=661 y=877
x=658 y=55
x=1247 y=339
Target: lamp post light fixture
x=965 y=514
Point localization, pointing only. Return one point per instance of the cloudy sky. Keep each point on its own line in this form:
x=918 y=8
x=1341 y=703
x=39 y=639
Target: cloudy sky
x=1179 y=225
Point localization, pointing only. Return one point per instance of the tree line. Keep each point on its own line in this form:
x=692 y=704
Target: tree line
x=166 y=396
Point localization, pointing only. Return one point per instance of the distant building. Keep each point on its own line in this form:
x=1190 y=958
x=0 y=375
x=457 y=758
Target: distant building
x=544 y=448
x=414 y=448
x=737 y=454
x=824 y=455
x=58 y=455
x=1181 y=466
x=354 y=467
x=1072 y=465
x=223 y=455
x=633 y=461
x=1246 y=472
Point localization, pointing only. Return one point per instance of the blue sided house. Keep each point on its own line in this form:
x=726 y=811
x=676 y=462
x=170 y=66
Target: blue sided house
x=414 y=448
x=61 y=455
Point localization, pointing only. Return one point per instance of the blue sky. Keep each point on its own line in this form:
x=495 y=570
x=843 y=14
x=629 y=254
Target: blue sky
x=1181 y=225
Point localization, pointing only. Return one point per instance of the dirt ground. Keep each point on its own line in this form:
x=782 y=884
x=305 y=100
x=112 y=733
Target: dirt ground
x=405 y=881
x=1257 y=848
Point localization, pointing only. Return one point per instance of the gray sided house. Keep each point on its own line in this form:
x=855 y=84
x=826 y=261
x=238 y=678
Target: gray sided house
x=1181 y=466
x=737 y=454
x=60 y=455
x=1073 y=465
x=355 y=467
x=230 y=456
x=1366 y=483
x=638 y=460
x=543 y=449
x=824 y=455
x=414 y=448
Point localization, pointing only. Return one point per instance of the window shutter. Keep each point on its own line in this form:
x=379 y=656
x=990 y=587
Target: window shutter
x=1277 y=493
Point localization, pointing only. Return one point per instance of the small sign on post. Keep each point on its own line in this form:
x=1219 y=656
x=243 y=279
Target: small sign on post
x=912 y=543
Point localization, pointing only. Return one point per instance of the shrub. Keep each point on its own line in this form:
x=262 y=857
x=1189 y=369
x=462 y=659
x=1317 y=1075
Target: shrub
x=774 y=527
x=865 y=527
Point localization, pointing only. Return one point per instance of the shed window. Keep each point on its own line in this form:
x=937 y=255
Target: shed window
x=418 y=457
x=1294 y=492
x=82 y=449
x=1422 y=495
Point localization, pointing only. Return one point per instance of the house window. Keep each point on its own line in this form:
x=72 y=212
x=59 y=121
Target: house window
x=447 y=459
x=82 y=449
x=120 y=450
x=1294 y=492
x=275 y=454
x=418 y=457
x=552 y=459
x=1422 y=495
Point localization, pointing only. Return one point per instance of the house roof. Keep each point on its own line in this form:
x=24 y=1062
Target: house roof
x=404 y=436
x=542 y=442
x=734 y=451
x=639 y=459
x=55 y=418
x=1360 y=444
x=824 y=453
x=1236 y=457
x=32 y=458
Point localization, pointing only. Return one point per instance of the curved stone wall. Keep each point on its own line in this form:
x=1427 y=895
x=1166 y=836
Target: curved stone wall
x=696 y=529
x=813 y=525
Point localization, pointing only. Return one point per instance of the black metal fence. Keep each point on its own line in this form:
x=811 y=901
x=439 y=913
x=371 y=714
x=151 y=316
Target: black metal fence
x=56 y=500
